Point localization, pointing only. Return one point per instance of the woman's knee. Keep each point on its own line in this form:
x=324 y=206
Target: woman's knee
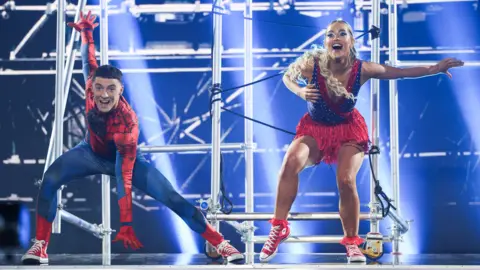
x=346 y=183
x=293 y=163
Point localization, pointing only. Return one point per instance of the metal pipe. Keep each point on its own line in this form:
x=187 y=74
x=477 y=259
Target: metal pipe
x=59 y=99
x=375 y=112
x=202 y=8
x=33 y=31
x=324 y=239
x=66 y=87
x=175 y=148
x=216 y=131
x=393 y=102
x=10 y=72
x=66 y=84
x=291 y=216
x=106 y=225
x=248 y=104
x=401 y=225
x=189 y=54
x=81 y=223
x=216 y=81
x=71 y=53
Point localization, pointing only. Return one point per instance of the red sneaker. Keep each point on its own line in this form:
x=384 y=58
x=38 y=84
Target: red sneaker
x=37 y=254
x=278 y=233
x=354 y=254
x=228 y=252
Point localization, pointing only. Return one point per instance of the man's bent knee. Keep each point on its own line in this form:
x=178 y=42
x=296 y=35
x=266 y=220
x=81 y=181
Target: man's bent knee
x=50 y=184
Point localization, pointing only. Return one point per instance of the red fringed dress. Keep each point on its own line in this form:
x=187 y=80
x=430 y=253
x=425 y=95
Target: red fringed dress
x=331 y=123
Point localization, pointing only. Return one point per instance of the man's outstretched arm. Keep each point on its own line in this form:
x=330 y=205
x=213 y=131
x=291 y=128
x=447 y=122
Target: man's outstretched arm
x=85 y=26
x=89 y=61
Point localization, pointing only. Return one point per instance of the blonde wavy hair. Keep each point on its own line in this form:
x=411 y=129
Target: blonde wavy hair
x=306 y=62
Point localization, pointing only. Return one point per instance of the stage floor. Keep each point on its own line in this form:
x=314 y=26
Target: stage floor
x=281 y=261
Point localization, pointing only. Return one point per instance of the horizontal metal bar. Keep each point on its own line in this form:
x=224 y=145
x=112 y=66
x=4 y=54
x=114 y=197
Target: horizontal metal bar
x=260 y=53
x=189 y=147
x=82 y=224
x=291 y=216
x=325 y=239
x=203 y=8
x=270 y=52
x=431 y=63
x=10 y=72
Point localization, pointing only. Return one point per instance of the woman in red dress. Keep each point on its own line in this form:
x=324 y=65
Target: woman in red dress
x=333 y=130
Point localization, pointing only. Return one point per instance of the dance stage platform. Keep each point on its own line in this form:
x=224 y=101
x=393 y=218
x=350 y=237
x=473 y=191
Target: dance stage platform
x=281 y=261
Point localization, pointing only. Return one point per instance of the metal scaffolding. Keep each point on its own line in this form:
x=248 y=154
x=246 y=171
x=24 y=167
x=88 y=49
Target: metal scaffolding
x=246 y=229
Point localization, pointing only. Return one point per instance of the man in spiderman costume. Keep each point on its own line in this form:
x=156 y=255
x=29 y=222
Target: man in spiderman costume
x=110 y=148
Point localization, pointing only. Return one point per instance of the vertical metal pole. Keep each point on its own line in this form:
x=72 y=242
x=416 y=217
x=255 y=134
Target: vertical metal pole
x=248 y=104
x=394 y=147
x=217 y=81
x=67 y=79
x=106 y=241
x=71 y=53
x=375 y=108
x=59 y=97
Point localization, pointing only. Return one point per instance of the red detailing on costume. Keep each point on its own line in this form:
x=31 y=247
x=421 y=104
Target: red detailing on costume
x=353 y=240
x=330 y=138
x=87 y=38
x=212 y=236
x=281 y=222
x=335 y=105
x=127 y=235
x=44 y=229
x=125 y=205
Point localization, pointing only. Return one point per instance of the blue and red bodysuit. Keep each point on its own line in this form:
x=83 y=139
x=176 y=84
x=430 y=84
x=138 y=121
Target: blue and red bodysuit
x=331 y=123
x=121 y=132
x=113 y=151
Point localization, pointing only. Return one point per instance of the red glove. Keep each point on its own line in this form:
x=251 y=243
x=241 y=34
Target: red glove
x=127 y=235
x=85 y=22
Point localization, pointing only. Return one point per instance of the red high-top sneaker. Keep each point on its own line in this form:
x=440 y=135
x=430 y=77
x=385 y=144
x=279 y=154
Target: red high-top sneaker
x=278 y=233
x=228 y=252
x=222 y=246
x=354 y=254
x=37 y=254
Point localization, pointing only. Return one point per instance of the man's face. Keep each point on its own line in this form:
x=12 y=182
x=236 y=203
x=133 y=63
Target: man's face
x=106 y=93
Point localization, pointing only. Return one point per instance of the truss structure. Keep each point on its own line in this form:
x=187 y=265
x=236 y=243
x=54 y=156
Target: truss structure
x=64 y=72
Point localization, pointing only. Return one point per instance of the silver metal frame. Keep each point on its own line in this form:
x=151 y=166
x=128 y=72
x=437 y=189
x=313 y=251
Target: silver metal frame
x=393 y=103
x=248 y=104
x=247 y=228
x=375 y=113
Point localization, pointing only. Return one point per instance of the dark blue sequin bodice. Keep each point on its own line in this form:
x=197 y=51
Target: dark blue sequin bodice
x=322 y=110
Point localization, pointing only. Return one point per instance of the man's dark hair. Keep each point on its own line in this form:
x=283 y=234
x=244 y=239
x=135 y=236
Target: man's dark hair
x=108 y=72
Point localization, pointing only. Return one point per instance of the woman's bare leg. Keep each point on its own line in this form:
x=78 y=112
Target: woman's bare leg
x=302 y=152
x=350 y=160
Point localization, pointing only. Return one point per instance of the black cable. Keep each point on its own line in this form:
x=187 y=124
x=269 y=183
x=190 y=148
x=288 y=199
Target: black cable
x=224 y=197
x=379 y=193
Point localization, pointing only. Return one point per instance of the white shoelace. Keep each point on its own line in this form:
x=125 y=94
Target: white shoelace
x=353 y=250
x=37 y=247
x=225 y=247
x=272 y=237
